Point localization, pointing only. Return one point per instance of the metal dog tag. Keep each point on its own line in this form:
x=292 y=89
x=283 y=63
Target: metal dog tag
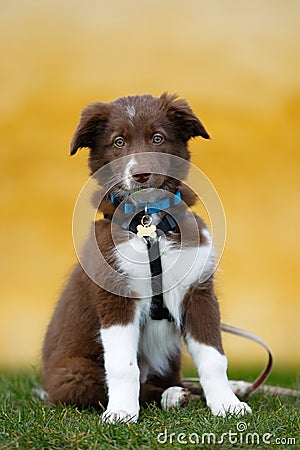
x=146 y=229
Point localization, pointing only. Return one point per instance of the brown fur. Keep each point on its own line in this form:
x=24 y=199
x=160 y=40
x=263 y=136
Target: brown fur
x=201 y=302
x=72 y=354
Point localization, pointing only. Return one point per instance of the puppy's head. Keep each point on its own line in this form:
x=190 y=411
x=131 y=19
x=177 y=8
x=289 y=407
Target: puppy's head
x=140 y=128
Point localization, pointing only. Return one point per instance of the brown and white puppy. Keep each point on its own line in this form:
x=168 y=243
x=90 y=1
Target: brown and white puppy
x=102 y=346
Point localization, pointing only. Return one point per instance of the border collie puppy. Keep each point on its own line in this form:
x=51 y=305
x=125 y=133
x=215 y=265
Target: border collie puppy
x=115 y=337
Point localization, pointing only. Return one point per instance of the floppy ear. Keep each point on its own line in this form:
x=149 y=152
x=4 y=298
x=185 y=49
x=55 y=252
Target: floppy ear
x=91 y=126
x=187 y=123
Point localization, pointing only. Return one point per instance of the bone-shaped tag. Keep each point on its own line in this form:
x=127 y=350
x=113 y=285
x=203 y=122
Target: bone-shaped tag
x=148 y=231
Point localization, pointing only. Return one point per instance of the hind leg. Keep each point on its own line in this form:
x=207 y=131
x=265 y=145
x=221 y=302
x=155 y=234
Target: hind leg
x=150 y=394
x=175 y=397
x=76 y=381
x=166 y=391
x=172 y=397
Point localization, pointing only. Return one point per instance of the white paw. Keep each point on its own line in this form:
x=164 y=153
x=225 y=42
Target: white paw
x=119 y=416
x=233 y=406
x=240 y=388
x=41 y=393
x=174 y=397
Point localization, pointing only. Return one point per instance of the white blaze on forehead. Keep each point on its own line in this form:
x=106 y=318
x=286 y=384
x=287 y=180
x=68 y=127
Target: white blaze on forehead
x=130 y=109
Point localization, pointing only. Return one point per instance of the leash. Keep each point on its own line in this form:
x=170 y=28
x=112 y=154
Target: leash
x=141 y=224
x=158 y=311
x=144 y=226
x=243 y=388
x=252 y=337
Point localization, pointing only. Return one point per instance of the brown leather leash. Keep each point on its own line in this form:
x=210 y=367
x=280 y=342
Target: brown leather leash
x=242 y=388
x=252 y=337
x=136 y=224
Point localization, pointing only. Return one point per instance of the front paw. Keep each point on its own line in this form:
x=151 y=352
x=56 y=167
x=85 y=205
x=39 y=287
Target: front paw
x=114 y=416
x=228 y=405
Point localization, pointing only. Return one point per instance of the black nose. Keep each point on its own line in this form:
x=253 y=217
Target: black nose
x=141 y=173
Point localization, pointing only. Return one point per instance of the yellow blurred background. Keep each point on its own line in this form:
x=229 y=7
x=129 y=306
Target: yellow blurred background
x=237 y=63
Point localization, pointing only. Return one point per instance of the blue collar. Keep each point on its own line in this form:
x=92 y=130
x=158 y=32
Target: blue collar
x=153 y=207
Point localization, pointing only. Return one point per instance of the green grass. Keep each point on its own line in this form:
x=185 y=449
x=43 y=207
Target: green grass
x=28 y=422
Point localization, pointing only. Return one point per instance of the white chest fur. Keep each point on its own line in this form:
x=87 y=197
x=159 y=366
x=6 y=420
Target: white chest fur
x=181 y=267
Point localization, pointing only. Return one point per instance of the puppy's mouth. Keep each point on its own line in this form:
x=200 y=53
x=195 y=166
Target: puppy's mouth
x=138 y=177
x=144 y=185
x=141 y=178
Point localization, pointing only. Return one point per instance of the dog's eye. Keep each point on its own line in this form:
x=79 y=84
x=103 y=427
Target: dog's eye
x=157 y=139
x=119 y=142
